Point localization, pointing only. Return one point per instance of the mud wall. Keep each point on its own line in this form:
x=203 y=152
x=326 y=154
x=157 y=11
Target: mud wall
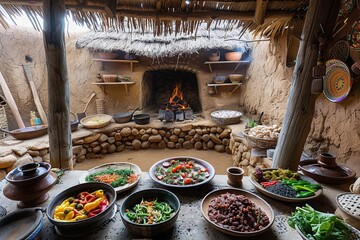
x=17 y=42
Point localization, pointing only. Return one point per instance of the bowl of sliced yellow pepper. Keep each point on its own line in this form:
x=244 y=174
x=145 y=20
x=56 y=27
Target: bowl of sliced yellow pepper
x=80 y=210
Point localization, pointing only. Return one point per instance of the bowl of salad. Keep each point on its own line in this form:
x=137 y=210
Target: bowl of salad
x=150 y=212
x=182 y=172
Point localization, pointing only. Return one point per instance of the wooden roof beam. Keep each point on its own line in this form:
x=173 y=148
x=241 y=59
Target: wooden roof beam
x=260 y=10
x=110 y=8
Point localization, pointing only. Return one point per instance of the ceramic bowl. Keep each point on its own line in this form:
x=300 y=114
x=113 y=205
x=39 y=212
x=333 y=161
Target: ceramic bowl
x=233 y=56
x=258 y=201
x=96 y=121
x=22 y=224
x=219 y=79
x=155 y=229
x=87 y=225
x=236 y=78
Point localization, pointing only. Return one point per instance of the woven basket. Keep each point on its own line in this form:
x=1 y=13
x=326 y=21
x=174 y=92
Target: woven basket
x=3 y=118
x=259 y=142
x=226 y=117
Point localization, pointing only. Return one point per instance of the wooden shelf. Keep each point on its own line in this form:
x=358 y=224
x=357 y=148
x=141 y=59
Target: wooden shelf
x=102 y=84
x=238 y=63
x=237 y=85
x=131 y=62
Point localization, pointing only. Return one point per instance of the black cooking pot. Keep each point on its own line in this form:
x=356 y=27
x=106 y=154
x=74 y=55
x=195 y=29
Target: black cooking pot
x=142 y=119
x=88 y=225
x=22 y=224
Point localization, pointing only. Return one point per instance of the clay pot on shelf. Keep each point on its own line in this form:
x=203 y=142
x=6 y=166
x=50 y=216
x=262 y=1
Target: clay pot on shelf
x=233 y=56
x=214 y=56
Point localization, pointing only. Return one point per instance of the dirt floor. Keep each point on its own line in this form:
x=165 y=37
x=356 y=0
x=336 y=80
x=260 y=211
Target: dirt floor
x=146 y=158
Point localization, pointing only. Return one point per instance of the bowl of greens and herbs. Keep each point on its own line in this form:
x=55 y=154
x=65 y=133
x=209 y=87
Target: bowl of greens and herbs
x=315 y=225
x=120 y=175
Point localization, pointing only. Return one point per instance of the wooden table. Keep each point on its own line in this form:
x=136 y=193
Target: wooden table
x=190 y=223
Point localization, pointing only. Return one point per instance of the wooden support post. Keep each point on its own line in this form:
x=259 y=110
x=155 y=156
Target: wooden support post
x=58 y=84
x=301 y=103
x=11 y=102
x=260 y=10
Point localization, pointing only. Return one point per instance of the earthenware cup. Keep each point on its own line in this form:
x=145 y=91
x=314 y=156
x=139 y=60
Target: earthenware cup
x=235 y=176
x=327 y=159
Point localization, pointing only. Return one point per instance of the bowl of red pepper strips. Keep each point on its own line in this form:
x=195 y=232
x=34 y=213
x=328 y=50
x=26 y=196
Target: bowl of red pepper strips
x=82 y=209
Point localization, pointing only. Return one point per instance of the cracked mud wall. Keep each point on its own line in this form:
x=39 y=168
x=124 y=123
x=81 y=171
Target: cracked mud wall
x=335 y=126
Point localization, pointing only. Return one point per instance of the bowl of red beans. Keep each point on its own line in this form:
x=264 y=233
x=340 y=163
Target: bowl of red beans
x=237 y=212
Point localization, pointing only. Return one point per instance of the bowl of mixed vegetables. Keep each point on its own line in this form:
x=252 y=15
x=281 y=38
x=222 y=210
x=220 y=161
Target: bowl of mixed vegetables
x=150 y=212
x=285 y=185
x=120 y=175
x=82 y=209
x=182 y=172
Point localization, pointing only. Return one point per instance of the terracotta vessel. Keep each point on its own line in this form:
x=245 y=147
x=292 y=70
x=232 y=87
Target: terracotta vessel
x=235 y=176
x=215 y=56
x=29 y=184
x=233 y=56
x=327 y=160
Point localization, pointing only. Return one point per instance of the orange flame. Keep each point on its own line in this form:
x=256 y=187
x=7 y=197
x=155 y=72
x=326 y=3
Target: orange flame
x=177 y=92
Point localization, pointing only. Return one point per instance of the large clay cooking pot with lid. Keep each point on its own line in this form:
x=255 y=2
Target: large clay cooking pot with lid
x=29 y=184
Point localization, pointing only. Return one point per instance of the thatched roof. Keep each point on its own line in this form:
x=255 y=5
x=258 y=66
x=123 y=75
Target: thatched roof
x=145 y=44
x=163 y=17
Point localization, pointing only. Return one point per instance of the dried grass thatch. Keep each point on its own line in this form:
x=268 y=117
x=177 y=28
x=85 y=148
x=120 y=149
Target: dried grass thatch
x=145 y=44
x=167 y=17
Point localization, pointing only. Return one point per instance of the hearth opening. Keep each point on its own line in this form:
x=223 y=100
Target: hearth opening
x=174 y=95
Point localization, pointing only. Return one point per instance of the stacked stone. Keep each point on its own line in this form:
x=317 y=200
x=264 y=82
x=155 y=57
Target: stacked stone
x=18 y=156
x=241 y=155
x=135 y=138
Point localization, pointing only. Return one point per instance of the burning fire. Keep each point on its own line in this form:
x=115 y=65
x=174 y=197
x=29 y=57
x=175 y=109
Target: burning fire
x=176 y=100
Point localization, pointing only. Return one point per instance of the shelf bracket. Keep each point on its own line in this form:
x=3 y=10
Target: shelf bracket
x=210 y=68
x=237 y=66
x=126 y=88
x=235 y=89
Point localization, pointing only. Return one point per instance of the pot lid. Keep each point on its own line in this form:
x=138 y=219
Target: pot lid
x=28 y=172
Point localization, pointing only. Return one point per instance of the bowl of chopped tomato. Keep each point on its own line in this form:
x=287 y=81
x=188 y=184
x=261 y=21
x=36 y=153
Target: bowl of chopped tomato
x=182 y=172
x=82 y=209
x=150 y=212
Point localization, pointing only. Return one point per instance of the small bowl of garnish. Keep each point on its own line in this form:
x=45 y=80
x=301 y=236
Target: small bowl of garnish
x=150 y=212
